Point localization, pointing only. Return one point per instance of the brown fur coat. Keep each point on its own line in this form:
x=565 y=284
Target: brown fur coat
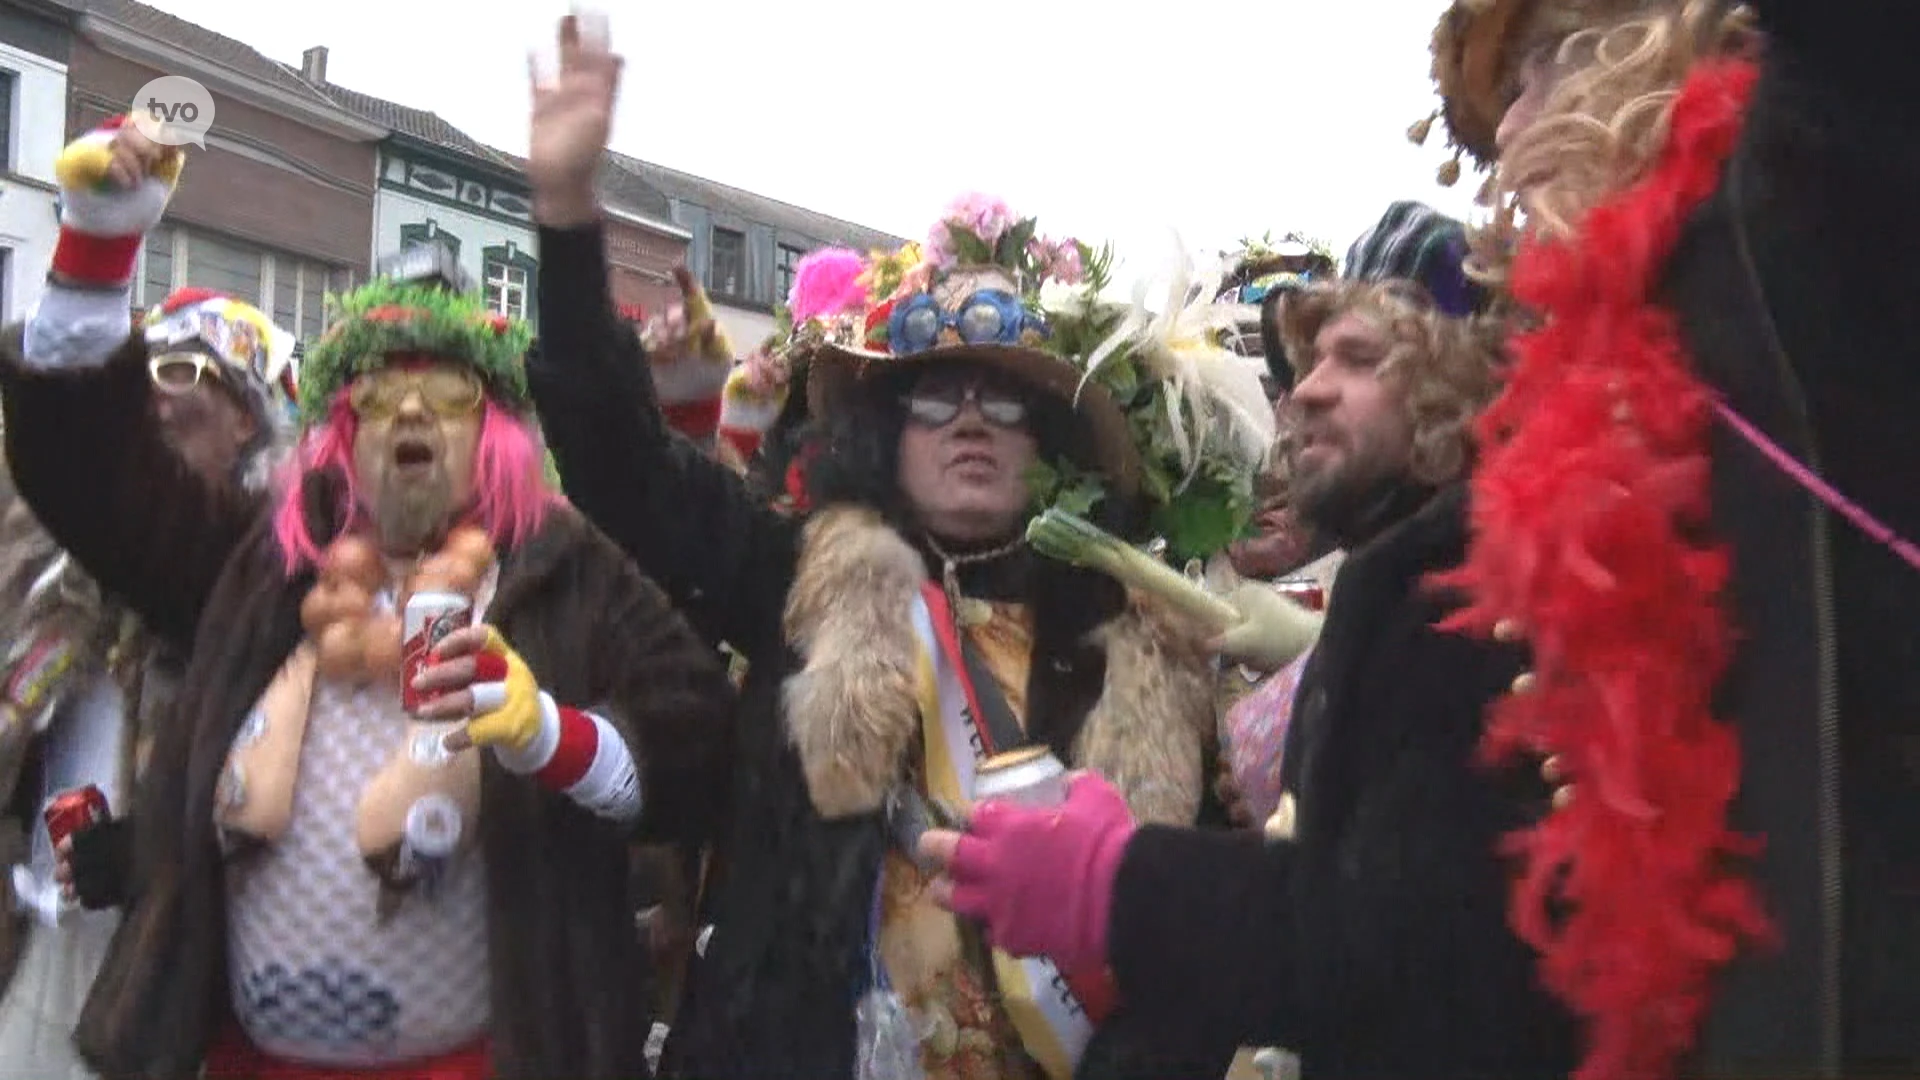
x=851 y=709
x=201 y=564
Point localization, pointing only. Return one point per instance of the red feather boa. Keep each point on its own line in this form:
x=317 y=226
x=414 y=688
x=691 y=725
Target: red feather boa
x=1588 y=508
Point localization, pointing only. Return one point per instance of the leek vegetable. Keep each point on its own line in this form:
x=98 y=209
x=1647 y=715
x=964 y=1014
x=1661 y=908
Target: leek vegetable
x=1069 y=539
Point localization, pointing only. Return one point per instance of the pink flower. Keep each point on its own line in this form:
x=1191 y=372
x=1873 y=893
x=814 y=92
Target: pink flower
x=1057 y=260
x=982 y=215
x=938 y=252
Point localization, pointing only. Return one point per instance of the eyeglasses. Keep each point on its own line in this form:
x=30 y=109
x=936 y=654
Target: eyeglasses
x=180 y=372
x=447 y=392
x=936 y=402
x=988 y=317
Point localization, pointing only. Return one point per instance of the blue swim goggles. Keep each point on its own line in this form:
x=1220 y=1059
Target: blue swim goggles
x=988 y=317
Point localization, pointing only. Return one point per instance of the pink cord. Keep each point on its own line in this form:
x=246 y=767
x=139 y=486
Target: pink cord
x=1876 y=529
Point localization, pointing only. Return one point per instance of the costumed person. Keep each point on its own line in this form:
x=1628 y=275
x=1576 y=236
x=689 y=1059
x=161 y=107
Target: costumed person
x=1260 y=274
x=358 y=855
x=1410 y=242
x=900 y=632
x=692 y=359
x=1696 y=507
x=85 y=684
x=1366 y=930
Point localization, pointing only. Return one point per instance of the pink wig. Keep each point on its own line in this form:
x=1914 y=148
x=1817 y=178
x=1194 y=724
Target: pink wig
x=511 y=501
x=827 y=283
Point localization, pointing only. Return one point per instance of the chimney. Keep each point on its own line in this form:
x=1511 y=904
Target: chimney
x=313 y=65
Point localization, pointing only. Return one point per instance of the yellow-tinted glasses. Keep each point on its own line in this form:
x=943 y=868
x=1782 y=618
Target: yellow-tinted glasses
x=179 y=372
x=446 y=391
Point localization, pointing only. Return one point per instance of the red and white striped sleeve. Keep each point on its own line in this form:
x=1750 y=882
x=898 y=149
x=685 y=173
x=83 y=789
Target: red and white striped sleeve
x=581 y=756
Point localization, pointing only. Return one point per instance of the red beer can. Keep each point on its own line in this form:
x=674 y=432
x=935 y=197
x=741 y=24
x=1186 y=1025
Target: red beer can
x=1308 y=594
x=428 y=619
x=73 y=811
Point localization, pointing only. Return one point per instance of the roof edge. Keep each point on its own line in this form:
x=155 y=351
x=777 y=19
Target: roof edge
x=129 y=44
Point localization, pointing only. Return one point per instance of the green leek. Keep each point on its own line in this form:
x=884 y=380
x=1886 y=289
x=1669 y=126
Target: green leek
x=1062 y=536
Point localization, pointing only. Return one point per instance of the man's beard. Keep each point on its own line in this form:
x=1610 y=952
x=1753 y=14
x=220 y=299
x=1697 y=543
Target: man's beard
x=1345 y=499
x=411 y=516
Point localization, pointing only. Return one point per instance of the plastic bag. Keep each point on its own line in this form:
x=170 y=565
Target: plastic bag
x=888 y=1036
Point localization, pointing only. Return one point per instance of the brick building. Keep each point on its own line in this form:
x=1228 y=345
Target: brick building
x=279 y=207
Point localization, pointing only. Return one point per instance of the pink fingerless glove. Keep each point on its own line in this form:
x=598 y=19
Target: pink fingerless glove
x=1042 y=879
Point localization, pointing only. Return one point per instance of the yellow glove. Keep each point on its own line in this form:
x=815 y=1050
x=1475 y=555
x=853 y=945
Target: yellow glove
x=506 y=698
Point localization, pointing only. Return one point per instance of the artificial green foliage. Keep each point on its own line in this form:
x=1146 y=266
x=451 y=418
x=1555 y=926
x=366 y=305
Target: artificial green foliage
x=383 y=318
x=1197 y=510
x=1061 y=485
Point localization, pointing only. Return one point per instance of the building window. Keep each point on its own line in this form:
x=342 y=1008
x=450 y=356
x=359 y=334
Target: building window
x=286 y=295
x=313 y=303
x=511 y=279
x=224 y=267
x=159 y=272
x=727 y=273
x=507 y=290
x=786 y=259
x=429 y=232
x=9 y=80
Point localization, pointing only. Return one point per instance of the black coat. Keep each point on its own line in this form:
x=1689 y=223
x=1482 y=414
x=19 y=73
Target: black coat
x=1375 y=943
x=774 y=993
x=1812 y=234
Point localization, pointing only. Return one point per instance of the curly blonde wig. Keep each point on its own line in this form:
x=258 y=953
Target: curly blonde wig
x=1605 y=117
x=1445 y=369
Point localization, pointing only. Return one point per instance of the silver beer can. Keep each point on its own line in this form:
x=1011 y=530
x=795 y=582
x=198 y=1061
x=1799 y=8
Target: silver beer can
x=1030 y=776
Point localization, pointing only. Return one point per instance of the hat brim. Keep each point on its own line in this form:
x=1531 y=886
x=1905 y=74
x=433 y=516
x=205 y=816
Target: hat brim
x=837 y=373
x=1470 y=57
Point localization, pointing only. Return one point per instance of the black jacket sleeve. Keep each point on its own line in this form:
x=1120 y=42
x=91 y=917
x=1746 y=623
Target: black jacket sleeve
x=723 y=556
x=87 y=454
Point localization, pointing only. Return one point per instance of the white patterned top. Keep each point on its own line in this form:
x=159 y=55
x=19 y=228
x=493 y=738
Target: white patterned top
x=318 y=975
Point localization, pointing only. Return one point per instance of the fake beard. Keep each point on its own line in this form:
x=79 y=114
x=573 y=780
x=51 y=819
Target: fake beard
x=411 y=514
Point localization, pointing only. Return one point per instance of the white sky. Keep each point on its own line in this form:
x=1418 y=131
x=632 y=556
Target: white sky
x=1219 y=120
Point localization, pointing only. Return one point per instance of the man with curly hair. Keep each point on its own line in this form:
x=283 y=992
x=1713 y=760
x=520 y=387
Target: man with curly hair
x=1366 y=929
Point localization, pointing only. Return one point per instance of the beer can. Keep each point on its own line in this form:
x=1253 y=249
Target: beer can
x=1307 y=593
x=72 y=811
x=428 y=619
x=1031 y=776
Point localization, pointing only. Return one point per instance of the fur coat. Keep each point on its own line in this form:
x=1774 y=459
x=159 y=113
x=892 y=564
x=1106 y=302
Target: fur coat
x=820 y=608
x=201 y=565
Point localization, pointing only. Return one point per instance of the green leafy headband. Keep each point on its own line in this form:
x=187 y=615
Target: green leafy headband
x=385 y=318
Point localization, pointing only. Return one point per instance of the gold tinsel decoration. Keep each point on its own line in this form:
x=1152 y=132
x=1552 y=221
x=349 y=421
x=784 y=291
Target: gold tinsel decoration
x=1417 y=134
x=1449 y=174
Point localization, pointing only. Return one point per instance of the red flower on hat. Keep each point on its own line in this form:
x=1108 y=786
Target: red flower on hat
x=389 y=313
x=876 y=322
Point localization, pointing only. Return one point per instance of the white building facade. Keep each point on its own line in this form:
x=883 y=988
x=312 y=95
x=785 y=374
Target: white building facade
x=480 y=215
x=34 y=44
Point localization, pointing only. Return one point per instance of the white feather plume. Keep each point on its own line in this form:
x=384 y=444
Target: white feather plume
x=1216 y=401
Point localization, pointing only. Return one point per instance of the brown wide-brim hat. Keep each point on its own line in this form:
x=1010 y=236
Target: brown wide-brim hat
x=838 y=374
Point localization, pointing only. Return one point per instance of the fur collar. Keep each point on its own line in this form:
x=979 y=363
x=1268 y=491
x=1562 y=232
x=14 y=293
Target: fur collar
x=851 y=711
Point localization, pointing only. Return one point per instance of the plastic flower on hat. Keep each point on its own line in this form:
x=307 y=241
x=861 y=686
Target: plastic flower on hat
x=1057 y=260
x=1215 y=399
x=887 y=269
x=972 y=230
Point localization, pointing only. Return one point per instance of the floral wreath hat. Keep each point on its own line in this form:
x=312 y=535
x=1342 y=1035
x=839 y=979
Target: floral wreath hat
x=1175 y=417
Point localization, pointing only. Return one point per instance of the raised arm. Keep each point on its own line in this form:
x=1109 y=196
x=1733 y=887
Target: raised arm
x=722 y=555
x=83 y=443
